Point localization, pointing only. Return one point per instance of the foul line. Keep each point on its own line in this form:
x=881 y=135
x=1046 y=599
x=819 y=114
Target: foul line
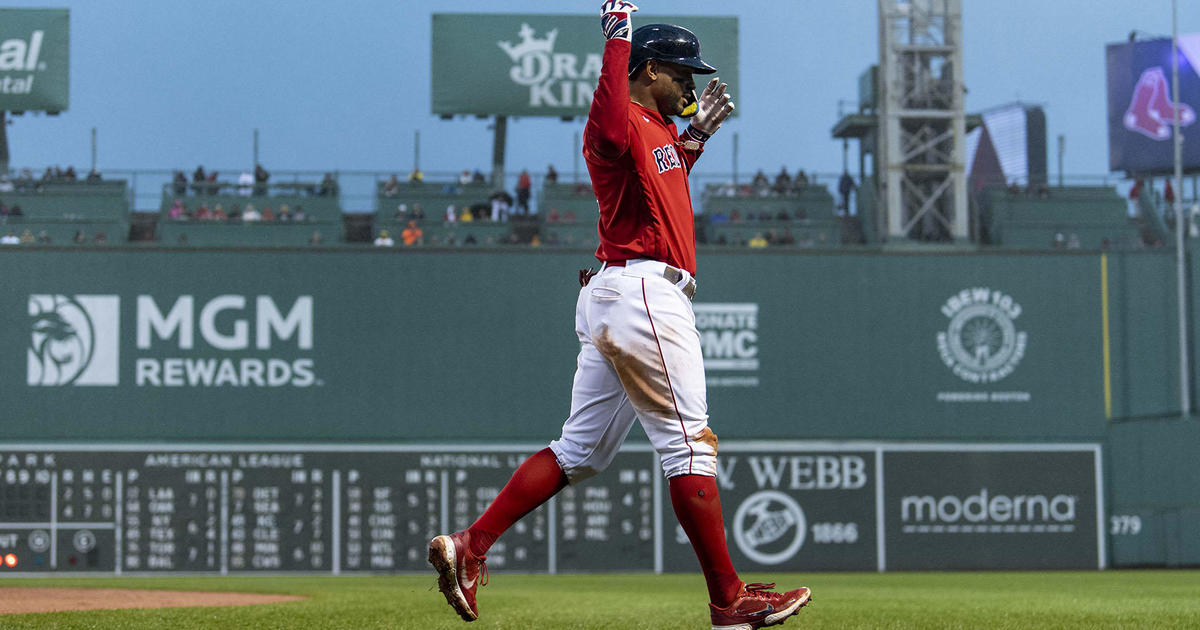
x=1104 y=325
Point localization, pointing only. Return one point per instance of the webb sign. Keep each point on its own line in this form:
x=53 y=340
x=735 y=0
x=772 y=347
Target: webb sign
x=34 y=59
x=542 y=65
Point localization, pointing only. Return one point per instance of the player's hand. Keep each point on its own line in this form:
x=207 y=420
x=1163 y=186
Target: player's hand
x=615 y=19
x=712 y=108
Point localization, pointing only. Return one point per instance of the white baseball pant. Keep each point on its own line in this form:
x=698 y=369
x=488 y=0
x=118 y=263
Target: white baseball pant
x=639 y=357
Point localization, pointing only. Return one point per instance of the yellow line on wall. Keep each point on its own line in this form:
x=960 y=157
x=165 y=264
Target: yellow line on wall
x=1104 y=324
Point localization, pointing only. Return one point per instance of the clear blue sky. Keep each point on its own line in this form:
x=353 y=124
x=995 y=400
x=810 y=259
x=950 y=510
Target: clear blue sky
x=344 y=85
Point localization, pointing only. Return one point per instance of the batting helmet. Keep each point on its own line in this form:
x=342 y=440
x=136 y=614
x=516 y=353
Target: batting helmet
x=667 y=42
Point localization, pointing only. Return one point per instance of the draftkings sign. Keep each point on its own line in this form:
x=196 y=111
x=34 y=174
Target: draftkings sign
x=543 y=65
x=35 y=47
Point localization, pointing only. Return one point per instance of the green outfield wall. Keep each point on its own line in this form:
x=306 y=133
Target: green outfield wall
x=335 y=345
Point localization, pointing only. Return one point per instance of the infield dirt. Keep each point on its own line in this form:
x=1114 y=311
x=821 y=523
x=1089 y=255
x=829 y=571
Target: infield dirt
x=14 y=600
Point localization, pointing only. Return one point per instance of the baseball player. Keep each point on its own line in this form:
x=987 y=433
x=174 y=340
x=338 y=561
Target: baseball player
x=640 y=351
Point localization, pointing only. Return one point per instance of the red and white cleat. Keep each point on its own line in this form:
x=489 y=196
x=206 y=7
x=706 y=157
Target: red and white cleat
x=458 y=572
x=758 y=607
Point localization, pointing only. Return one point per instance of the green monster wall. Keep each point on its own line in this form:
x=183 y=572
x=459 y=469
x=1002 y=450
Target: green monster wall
x=343 y=345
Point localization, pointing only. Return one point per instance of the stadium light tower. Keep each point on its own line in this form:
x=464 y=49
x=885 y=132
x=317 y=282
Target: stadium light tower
x=923 y=177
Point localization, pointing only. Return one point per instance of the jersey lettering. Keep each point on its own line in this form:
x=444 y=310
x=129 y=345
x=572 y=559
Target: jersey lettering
x=666 y=158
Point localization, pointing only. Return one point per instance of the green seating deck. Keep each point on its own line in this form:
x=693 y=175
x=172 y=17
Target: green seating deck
x=812 y=202
x=432 y=197
x=104 y=200
x=1086 y=217
x=448 y=234
x=578 y=199
x=298 y=196
x=804 y=234
x=254 y=234
x=61 y=232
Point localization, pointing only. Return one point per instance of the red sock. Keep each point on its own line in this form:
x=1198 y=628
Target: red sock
x=698 y=507
x=538 y=479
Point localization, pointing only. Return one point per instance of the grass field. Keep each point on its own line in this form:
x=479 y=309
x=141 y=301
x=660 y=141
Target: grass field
x=1111 y=599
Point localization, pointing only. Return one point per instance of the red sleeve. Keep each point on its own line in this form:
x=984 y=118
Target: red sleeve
x=607 y=131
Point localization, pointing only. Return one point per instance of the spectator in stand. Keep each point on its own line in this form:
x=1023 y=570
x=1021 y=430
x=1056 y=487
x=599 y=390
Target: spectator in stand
x=801 y=181
x=719 y=217
x=10 y=239
x=417 y=211
x=268 y=214
x=735 y=216
x=251 y=214
x=1135 y=194
x=759 y=241
x=451 y=214
x=79 y=238
x=783 y=182
x=553 y=216
x=391 y=187
x=401 y=212
x=202 y=213
x=6 y=185
x=298 y=215
x=416 y=176
x=213 y=187
x=177 y=211
x=69 y=174
x=245 y=184
x=285 y=213
x=786 y=238
x=93 y=177
x=760 y=180
x=15 y=210
x=315 y=239
x=179 y=183
x=199 y=177
x=782 y=215
x=25 y=180
x=569 y=216
x=27 y=238
x=412 y=235
x=551 y=174
x=100 y=238
x=464 y=177
x=478 y=178
x=48 y=176
x=501 y=203
x=384 y=239
x=467 y=215
x=43 y=237
x=218 y=213
x=4 y=211
x=845 y=187
x=329 y=186
x=261 y=177
x=524 y=184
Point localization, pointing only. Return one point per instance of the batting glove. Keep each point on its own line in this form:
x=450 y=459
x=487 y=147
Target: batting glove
x=712 y=108
x=615 y=19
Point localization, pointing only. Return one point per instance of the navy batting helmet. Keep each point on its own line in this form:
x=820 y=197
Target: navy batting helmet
x=667 y=42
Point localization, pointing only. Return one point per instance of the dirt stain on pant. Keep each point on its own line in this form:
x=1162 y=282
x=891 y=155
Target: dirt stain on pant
x=643 y=378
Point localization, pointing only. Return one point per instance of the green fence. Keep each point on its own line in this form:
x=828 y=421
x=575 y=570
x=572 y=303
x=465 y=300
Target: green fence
x=478 y=347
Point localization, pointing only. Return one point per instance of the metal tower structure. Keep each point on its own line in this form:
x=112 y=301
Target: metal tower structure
x=922 y=148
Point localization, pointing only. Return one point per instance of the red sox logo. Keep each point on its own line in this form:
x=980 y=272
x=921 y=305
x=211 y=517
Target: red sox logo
x=666 y=158
x=1150 y=111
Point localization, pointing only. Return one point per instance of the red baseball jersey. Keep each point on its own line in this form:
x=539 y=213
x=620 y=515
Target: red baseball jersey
x=639 y=169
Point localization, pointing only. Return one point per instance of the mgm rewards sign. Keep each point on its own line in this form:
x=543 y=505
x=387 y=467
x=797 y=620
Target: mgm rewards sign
x=543 y=65
x=34 y=59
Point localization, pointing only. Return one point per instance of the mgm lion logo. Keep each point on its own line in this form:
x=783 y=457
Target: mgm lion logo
x=981 y=343
x=769 y=527
x=73 y=340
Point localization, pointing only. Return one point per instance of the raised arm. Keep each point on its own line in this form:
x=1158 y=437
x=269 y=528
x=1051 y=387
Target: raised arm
x=607 y=131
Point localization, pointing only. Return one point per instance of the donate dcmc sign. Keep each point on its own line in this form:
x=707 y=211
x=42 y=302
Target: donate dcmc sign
x=34 y=59
x=544 y=65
